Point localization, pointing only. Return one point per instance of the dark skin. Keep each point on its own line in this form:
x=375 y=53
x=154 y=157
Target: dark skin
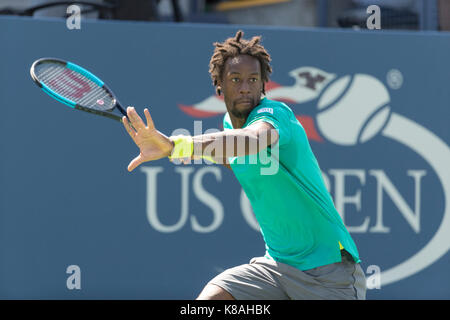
x=241 y=85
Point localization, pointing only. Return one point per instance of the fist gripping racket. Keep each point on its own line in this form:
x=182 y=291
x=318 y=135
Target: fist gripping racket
x=75 y=87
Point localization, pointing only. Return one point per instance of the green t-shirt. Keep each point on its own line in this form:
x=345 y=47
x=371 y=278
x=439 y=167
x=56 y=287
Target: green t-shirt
x=298 y=220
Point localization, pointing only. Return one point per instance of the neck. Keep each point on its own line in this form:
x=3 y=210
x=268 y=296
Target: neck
x=237 y=122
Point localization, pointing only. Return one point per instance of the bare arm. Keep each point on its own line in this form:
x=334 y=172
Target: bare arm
x=235 y=143
x=154 y=145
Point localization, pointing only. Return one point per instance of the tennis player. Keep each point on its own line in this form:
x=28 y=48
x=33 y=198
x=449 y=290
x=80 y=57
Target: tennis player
x=309 y=252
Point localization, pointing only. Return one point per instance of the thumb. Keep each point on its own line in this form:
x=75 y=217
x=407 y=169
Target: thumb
x=135 y=163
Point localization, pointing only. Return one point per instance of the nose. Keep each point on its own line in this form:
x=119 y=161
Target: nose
x=245 y=88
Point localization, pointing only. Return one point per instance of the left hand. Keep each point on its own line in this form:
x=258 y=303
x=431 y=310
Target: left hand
x=153 y=145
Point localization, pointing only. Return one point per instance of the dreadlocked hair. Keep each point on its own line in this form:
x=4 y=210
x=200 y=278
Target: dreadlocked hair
x=233 y=47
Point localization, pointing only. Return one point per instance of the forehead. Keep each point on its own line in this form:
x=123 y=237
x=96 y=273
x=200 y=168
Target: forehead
x=242 y=64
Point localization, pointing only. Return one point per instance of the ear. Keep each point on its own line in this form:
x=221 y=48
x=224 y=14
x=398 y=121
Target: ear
x=219 y=86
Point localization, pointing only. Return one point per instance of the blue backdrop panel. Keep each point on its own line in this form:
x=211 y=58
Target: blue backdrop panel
x=374 y=105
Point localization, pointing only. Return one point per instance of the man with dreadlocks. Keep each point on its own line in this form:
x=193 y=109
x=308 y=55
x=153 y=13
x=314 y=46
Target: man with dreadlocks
x=309 y=252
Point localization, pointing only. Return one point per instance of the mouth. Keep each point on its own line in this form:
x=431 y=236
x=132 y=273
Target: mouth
x=244 y=101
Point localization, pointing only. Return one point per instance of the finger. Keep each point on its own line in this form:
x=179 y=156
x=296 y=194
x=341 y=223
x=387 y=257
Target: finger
x=149 y=119
x=127 y=126
x=134 y=163
x=135 y=119
x=131 y=126
x=185 y=160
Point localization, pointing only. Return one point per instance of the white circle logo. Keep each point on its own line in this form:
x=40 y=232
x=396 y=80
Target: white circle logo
x=394 y=79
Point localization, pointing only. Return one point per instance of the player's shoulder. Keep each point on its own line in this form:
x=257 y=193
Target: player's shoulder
x=272 y=107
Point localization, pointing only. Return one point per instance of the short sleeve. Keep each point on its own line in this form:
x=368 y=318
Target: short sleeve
x=277 y=117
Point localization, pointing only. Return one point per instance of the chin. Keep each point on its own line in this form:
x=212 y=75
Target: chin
x=240 y=113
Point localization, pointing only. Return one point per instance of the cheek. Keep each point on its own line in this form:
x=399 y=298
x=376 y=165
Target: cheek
x=258 y=89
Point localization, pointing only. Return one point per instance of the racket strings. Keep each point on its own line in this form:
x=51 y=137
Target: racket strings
x=74 y=86
x=98 y=99
x=52 y=76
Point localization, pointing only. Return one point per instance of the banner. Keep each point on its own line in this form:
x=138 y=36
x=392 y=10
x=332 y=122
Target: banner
x=75 y=224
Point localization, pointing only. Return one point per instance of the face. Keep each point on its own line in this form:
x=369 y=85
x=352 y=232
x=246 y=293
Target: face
x=241 y=85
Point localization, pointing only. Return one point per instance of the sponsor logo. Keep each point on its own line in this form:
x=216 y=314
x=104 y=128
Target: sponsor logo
x=269 y=110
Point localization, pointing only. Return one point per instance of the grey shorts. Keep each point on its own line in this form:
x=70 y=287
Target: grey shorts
x=265 y=279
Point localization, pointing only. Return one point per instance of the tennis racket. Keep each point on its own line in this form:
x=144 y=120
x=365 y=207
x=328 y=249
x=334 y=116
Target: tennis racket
x=75 y=87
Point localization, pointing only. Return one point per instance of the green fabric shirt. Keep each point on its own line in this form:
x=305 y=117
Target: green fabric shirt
x=298 y=220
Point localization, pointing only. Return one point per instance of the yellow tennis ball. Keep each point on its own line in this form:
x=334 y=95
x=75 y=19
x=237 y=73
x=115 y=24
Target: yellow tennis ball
x=353 y=109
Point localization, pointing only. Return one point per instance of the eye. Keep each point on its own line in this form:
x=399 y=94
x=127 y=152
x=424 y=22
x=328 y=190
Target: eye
x=234 y=79
x=253 y=79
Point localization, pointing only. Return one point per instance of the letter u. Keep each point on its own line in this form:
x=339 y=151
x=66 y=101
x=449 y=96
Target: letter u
x=152 y=187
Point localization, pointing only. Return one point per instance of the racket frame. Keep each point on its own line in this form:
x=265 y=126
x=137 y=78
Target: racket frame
x=70 y=103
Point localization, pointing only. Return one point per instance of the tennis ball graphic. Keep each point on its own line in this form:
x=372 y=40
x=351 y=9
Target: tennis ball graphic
x=353 y=109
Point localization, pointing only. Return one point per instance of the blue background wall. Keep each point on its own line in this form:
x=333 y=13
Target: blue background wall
x=67 y=199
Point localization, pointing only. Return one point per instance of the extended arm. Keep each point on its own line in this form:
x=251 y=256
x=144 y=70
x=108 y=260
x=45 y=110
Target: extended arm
x=236 y=142
x=154 y=145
